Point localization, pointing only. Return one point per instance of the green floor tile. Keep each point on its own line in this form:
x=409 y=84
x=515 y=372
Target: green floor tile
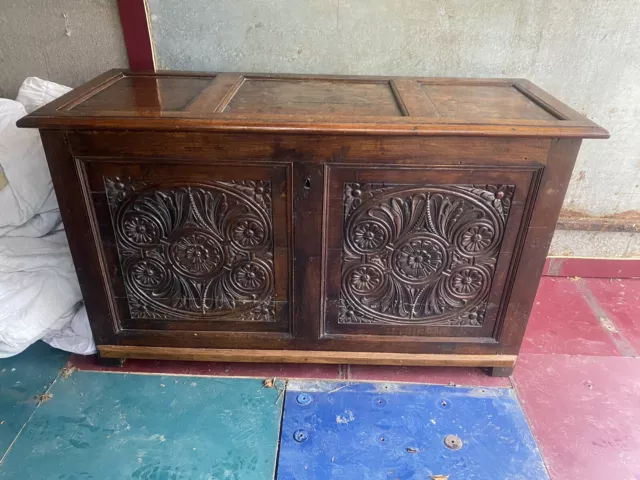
x=146 y=427
x=21 y=378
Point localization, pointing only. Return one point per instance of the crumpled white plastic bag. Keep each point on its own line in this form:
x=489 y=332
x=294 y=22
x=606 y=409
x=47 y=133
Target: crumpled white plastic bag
x=39 y=293
x=35 y=92
x=25 y=167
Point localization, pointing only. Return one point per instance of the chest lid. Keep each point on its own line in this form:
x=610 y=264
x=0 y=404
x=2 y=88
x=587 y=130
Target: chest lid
x=314 y=104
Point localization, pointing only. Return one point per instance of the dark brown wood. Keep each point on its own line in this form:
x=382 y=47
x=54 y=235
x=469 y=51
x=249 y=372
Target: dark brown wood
x=500 y=371
x=111 y=362
x=310 y=218
x=323 y=104
x=446 y=274
x=204 y=148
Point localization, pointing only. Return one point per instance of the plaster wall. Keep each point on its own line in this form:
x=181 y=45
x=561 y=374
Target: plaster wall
x=587 y=53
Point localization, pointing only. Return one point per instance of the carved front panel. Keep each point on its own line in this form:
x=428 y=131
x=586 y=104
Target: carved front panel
x=420 y=255
x=201 y=251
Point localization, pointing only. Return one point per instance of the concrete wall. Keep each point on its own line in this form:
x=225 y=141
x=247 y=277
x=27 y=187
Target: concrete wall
x=586 y=52
x=66 y=41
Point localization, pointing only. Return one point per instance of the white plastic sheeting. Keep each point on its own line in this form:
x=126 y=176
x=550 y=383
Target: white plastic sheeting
x=39 y=293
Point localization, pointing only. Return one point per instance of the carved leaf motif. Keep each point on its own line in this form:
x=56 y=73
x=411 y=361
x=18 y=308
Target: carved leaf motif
x=259 y=192
x=356 y=193
x=197 y=252
x=420 y=254
x=499 y=196
x=118 y=189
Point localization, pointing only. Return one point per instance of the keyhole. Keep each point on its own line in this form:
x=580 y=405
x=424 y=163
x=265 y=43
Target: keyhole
x=307 y=184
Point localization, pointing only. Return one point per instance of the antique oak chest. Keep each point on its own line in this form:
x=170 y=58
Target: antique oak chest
x=326 y=219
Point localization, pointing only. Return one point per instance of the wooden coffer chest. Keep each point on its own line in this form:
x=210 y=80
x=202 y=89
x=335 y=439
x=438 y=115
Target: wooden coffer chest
x=284 y=218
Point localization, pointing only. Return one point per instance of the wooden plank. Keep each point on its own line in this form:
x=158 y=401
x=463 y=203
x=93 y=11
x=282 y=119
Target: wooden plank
x=304 y=356
x=414 y=99
x=216 y=96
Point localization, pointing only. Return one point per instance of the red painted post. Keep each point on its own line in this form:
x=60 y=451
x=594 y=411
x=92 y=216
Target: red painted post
x=137 y=34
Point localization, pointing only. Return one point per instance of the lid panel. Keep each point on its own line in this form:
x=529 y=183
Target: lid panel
x=315 y=97
x=482 y=102
x=145 y=95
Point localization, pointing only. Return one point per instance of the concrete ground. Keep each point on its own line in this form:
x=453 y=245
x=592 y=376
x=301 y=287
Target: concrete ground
x=570 y=410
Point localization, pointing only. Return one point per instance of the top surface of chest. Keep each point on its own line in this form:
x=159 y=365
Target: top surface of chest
x=314 y=104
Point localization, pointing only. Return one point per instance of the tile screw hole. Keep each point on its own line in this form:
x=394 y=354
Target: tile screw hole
x=453 y=442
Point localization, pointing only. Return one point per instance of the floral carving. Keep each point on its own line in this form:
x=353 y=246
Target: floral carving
x=349 y=313
x=148 y=273
x=195 y=252
x=366 y=278
x=419 y=258
x=477 y=238
x=263 y=312
x=140 y=230
x=259 y=191
x=250 y=276
x=474 y=317
x=355 y=194
x=466 y=281
x=369 y=236
x=420 y=255
x=120 y=188
x=248 y=233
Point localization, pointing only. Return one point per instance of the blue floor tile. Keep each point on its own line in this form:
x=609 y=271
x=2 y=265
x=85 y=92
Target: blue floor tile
x=391 y=431
x=145 y=427
x=22 y=377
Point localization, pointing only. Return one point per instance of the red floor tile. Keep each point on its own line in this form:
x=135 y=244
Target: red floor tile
x=620 y=300
x=215 y=369
x=584 y=412
x=439 y=375
x=562 y=322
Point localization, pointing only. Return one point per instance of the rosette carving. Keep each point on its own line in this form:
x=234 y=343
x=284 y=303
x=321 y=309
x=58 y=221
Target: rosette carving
x=420 y=255
x=195 y=251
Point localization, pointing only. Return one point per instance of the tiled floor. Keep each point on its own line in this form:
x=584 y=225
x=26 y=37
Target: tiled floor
x=384 y=430
x=577 y=382
x=103 y=426
x=22 y=379
x=580 y=386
